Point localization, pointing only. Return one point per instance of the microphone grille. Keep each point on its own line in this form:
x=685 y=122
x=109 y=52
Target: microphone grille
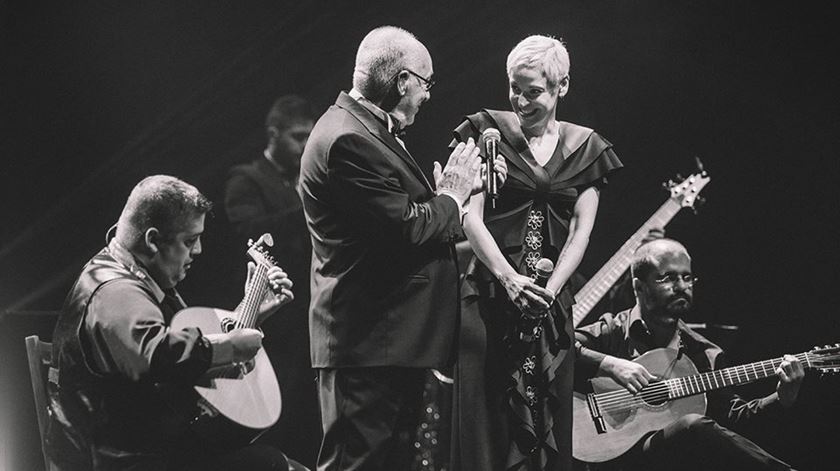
x=544 y=267
x=491 y=134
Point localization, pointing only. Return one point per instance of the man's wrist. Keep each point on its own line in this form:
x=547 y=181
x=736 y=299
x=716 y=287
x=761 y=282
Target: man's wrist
x=463 y=208
x=222 y=349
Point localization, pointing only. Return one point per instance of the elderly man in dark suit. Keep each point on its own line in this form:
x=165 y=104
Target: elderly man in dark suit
x=384 y=279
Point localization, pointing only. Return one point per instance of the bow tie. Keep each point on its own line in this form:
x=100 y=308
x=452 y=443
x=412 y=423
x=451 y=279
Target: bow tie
x=396 y=129
x=397 y=132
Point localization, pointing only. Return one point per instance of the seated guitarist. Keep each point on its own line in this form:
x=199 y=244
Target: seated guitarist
x=117 y=358
x=663 y=285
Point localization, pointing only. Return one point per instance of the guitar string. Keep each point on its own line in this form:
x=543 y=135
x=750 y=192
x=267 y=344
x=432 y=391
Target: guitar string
x=617 y=400
x=679 y=384
x=254 y=299
x=589 y=293
x=249 y=312
x=708 y=376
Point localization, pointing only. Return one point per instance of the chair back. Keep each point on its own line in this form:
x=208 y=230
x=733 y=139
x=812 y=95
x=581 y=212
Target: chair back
x=39 y=354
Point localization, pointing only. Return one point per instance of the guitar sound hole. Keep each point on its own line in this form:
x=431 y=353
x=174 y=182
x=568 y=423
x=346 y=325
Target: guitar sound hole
x=228 y=324
x=654 y=394
x=655 y=401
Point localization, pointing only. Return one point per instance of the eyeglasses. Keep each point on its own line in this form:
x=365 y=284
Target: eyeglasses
x=671 y=279
x=428 y=83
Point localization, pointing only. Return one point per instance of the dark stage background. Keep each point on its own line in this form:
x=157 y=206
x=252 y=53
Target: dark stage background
x=97 y=95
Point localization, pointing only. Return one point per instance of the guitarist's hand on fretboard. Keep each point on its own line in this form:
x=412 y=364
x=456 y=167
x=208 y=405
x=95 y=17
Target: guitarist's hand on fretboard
x=278 y=291
x=791 y=373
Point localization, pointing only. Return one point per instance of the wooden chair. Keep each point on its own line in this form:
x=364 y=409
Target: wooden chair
x=40 y=357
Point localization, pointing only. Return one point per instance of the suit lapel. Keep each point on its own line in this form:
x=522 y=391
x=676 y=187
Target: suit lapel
x=378 y=130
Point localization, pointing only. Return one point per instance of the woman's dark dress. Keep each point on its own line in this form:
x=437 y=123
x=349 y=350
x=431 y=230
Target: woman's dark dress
x=512 y=398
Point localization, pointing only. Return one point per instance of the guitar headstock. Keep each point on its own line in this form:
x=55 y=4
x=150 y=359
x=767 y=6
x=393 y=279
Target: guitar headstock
x=686 y=191
x=825 y=359
x=258 y=251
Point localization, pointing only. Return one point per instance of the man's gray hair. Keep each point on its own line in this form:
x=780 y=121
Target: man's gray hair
x=383 y=53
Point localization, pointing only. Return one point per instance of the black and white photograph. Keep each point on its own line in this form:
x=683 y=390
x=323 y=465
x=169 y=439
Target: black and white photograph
x=423 y=236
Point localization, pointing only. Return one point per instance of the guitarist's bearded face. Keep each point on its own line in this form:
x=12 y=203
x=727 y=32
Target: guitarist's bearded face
x=669 y=290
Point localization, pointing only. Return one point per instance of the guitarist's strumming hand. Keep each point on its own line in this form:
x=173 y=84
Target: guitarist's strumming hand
x=237 y=347
x=791 y=373
x=279 y=291
x=629 y=374
x=245 y=342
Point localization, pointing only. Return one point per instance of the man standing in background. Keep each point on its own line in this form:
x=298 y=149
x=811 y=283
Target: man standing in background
x=260 y=197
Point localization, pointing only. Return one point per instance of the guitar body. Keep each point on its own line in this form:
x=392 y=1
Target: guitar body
x=626 y=426
x=232 y=406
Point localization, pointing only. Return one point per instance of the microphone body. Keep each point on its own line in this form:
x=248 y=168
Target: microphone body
x=530 y=327
x=544 y=268
x=490 y=138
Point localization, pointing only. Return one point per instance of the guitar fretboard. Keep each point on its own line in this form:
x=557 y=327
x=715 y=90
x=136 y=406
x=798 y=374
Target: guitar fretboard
x=697 y=384
x=592 y=292
x=249 y=309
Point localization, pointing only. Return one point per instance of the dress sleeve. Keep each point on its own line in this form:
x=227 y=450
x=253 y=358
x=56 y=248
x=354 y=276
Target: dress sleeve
x=464 y=131
x=597 y=162
x=128 y=336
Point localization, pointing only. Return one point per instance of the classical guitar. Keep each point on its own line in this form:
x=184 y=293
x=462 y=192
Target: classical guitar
x=683 y=195
x=238 y=402
x=609 y=420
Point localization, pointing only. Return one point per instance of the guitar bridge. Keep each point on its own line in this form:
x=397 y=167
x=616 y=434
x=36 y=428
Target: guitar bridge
x=595 y=413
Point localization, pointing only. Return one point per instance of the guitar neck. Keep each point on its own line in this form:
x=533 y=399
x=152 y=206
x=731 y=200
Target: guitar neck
x=255 y=293
x=736 y=375
x=592 y=292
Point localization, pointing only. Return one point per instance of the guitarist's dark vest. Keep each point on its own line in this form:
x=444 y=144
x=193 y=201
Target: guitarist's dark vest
x=106 y=412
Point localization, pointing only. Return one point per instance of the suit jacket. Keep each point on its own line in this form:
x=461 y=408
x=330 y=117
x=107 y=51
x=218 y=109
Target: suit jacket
x=384 y=284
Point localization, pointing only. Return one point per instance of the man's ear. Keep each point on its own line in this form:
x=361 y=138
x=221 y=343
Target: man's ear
x=563 y=86
x=638 y=288
x=152 y=240
x=273 y=132
x=402 y=82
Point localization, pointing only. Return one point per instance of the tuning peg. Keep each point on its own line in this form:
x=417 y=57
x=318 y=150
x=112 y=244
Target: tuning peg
x=679 y=177
x=699 y=164
x=250 y=242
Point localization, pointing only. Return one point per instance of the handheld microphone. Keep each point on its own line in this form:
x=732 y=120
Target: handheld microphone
x=530 y=330
x=544 y=268
x=490 y=138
